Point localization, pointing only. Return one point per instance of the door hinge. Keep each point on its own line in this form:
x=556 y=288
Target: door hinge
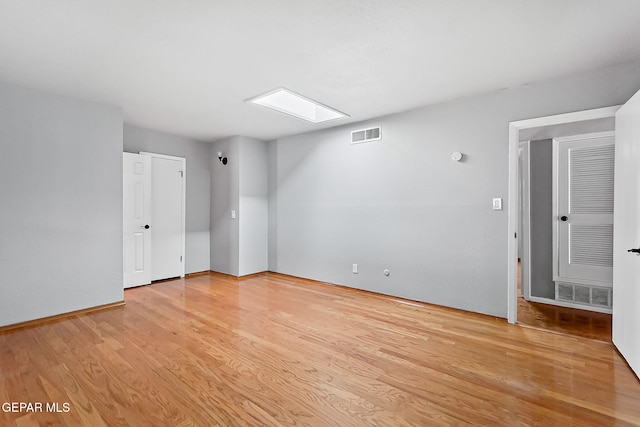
x=515 y=235
x=181 y=174
x=180 y=258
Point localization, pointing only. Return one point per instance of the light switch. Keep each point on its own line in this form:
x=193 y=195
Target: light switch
x=497 y=204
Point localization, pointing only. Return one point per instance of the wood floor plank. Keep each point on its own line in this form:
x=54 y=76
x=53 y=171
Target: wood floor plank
x=274 y=350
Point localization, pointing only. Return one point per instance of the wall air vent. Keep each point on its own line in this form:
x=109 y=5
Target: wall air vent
x=366 y=135
x=584 y=294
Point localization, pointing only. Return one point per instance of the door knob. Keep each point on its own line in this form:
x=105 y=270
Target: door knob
x=564 y=218
x=635 y=251
x=146 y=227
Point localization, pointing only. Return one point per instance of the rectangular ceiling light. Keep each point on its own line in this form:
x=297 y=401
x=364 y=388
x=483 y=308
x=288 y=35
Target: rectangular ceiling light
x=295 y=105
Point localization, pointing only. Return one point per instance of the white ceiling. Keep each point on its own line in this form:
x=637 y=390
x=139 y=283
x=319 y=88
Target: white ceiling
x=186 y=67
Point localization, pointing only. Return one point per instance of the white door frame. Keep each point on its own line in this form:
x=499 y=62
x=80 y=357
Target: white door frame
x=512 y=227
x=183 y=162
x=524 y=228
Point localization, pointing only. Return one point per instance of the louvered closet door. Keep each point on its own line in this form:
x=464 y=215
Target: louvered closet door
x=585 y=170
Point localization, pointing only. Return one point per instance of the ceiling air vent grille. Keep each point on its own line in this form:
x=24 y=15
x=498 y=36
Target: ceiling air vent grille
x=366 y=135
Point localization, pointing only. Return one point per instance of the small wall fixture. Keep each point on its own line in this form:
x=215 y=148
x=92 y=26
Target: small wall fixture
x=457 y=156
x=222 y=159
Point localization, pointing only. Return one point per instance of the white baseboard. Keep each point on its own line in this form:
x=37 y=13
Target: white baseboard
x=569 y=304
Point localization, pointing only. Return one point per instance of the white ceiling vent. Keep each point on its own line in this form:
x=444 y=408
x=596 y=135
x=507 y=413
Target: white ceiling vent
x=366 y=135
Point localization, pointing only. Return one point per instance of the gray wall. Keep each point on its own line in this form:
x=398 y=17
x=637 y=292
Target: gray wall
x=541 y=216
x=198 y=186
x=272 y=189
x=225 y=196
x=239 y=246
x=402 y=204
x=253 y=206
x=61 y=209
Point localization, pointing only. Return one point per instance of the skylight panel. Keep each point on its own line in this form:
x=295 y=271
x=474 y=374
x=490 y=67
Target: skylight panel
x=287 y=102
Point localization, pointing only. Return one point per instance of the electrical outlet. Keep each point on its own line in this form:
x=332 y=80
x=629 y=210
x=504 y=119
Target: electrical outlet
x=233 y=214
x=355 y=268
x=497 y=204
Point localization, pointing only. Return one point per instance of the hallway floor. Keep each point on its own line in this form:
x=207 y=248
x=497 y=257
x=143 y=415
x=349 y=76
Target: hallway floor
x=569 y=321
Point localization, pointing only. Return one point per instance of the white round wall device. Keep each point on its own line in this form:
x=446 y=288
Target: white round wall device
x=457 y=156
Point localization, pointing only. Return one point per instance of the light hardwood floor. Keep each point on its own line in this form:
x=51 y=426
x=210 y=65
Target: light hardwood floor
x=274 y=350
x=571 y=321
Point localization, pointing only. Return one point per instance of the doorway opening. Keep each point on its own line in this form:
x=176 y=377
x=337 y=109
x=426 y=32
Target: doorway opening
x=521 y=308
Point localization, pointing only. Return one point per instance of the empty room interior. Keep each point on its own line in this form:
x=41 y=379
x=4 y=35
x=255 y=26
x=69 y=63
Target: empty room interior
x=323 y=213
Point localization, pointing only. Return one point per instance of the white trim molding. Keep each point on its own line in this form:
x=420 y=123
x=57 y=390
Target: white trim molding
x=570 y=304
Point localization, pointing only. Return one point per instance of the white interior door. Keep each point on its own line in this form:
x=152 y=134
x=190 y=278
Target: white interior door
x=167 y=205
x=584 y=209
x=626 y=266
x=136 y=178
